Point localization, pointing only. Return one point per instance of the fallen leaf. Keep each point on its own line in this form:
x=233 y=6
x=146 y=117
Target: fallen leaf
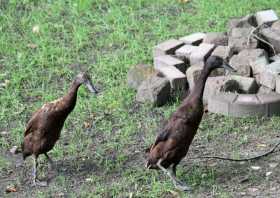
x=36 y=29
x=13 y=150
x=273 y=165
x=3 y=133
x=32 y=45
x=89 y=179
x=10 y=189
x=87 y=125
x=255 y=167
x=268 y=173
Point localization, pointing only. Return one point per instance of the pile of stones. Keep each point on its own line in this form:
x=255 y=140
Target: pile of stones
x=251 y=45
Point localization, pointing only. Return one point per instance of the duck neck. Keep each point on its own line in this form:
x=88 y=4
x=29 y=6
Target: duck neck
x=197 y=91
x=71 y=97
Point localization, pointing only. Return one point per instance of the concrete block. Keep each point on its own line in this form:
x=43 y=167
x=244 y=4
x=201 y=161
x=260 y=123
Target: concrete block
x=241 y=62
x=224 y=52
x=266 y=17
x=193 y=39
x=167 y=60
x=268 y=79
x=216 y=38
x=167 y=47
x=276 y=26
x=138 y=73
x=238 y=39
x=231 y=83
x=185 y=51
x=242 y=22
x=193 y=74
x=177 y=79
x=273 y=37
x=264 y=90
x=201 y=53
x=258 y=65
x=277 y=81
x=154 y=90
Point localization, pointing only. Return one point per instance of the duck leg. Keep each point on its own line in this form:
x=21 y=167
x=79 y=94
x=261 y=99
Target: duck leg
x=50 y=161
x=172 y=175
x=34 y=173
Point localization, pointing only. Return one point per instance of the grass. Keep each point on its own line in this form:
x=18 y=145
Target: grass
x=100 y=153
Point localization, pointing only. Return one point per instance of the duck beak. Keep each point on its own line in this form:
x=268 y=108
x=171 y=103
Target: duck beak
x=91 y=87
x=228 y=67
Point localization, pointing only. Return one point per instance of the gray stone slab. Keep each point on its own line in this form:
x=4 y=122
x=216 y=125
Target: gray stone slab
x=177 y=79
x=266 y=17
x=221 y=103
x=216 y=38
x=201 y=53
x=276 y=25
x=167 y=47
x=154 y=90
x=167 y=60
x=193 y=39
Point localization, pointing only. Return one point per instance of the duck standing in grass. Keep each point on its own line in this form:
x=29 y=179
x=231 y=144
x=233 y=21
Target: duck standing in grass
x=44 y=127
x=172 y=143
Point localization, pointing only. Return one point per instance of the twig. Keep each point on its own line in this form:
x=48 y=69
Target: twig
x=244 y=159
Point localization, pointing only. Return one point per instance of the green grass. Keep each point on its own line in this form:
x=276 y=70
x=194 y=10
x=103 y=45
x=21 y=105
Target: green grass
x=107 y=38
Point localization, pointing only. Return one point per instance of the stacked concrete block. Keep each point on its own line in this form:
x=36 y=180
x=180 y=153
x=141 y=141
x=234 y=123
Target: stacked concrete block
x=193 y=74
x=167 y=60
x=193 y=39
x=154 y=90
x=273 y=37
x=216 y=38
x=167 y=47
x=266 y=17
x=201 y=53
x=238 y=39
x=185 y=51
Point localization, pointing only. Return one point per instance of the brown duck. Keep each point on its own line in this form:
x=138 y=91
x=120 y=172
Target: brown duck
x=172 y=143
x=44 y=127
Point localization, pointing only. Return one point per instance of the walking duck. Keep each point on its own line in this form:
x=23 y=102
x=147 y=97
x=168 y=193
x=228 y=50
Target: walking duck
x=44 y=127
x=172 y=143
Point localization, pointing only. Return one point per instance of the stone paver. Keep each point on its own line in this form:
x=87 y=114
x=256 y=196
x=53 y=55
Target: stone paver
x=167 y=47
x=155 y=90
x=266 y=17
x=193 y=39
x=167 y=60
x=242 y=105
x=201 y=53
x=216 y=38
x=269 y=75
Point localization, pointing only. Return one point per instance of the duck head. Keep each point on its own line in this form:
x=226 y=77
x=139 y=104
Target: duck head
x=214 y=62
x=84 y=78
